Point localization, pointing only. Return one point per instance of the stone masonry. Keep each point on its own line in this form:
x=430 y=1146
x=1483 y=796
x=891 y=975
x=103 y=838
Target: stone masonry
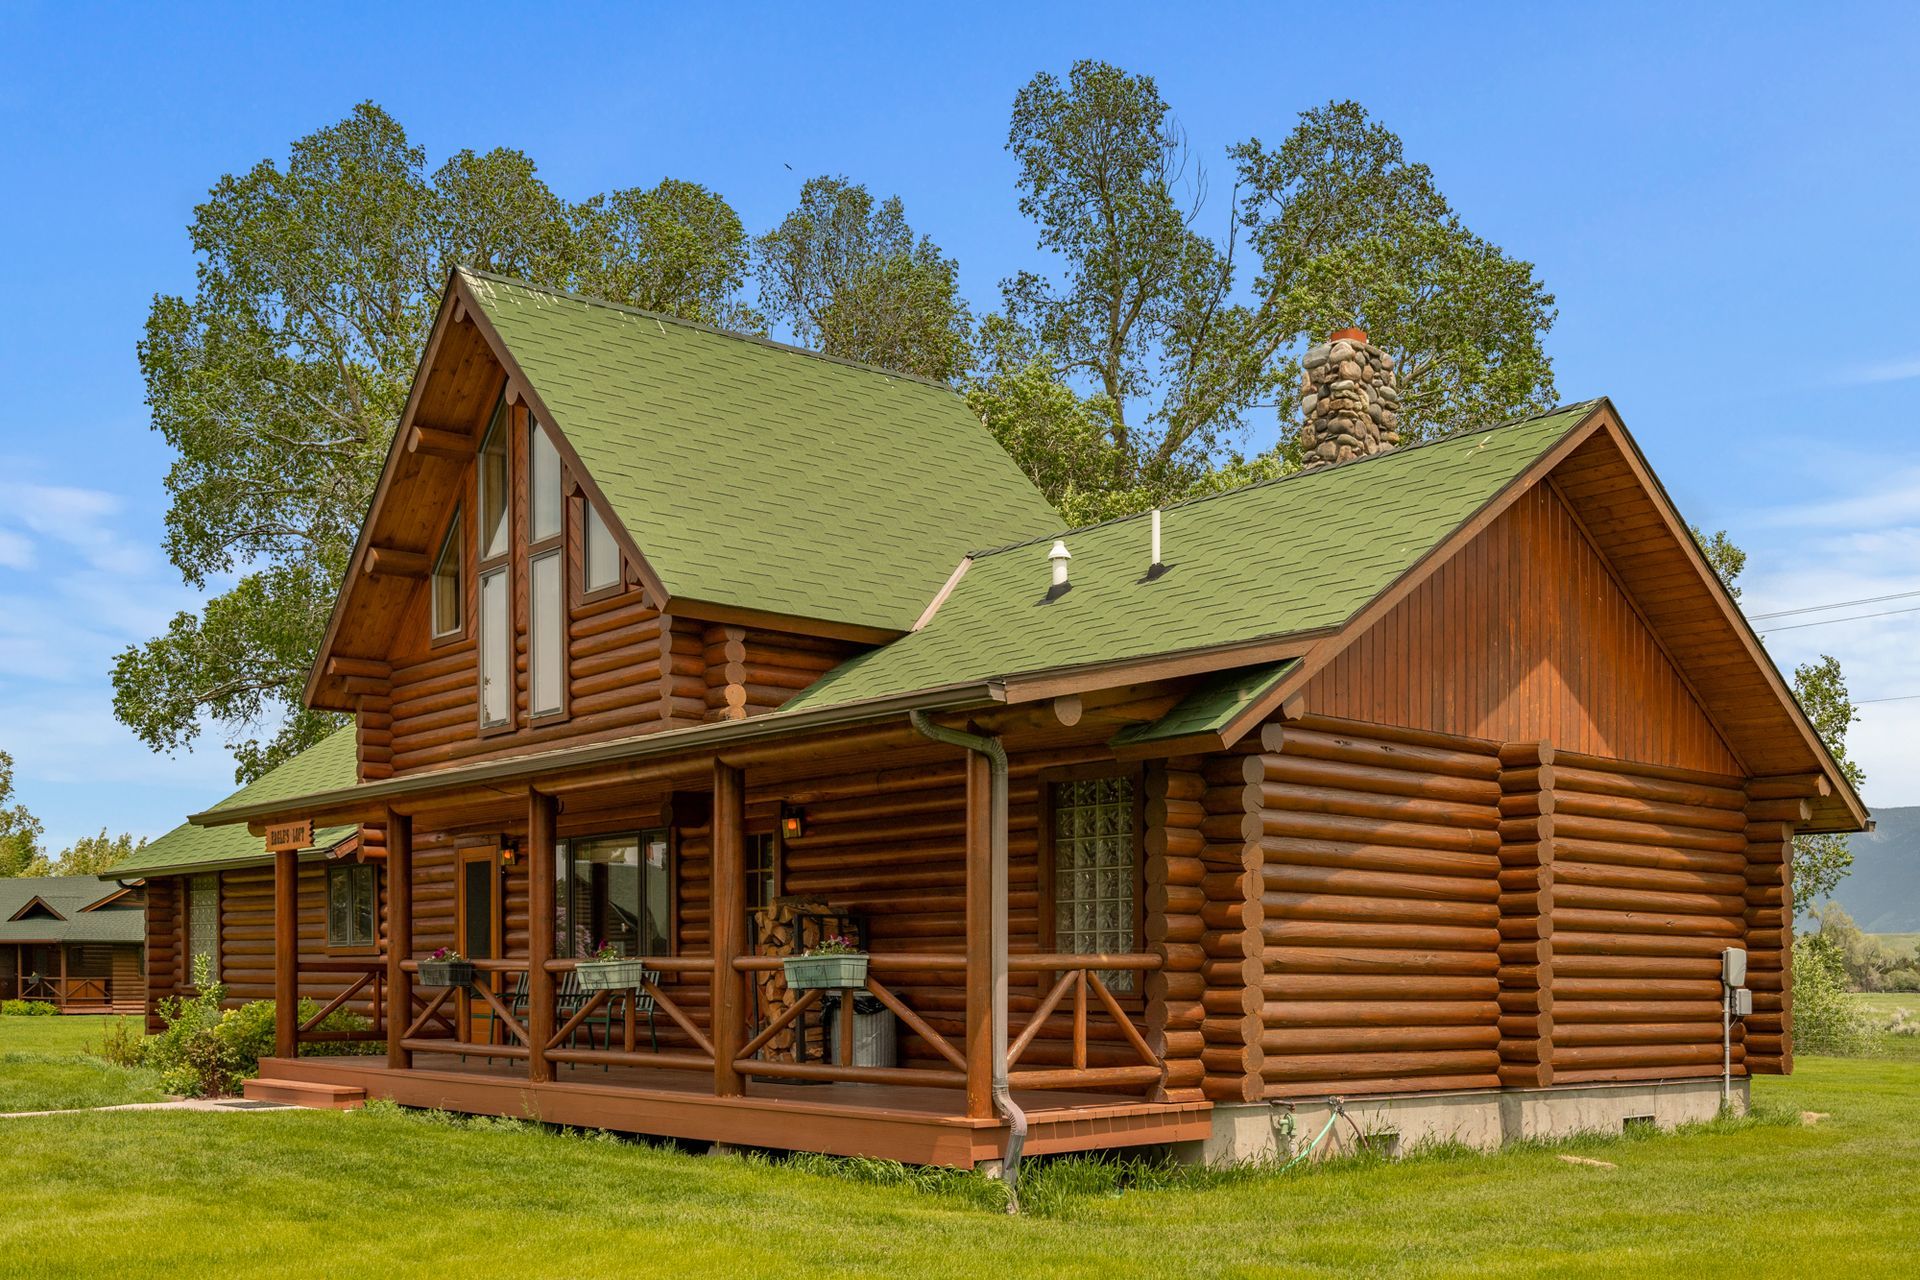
x=1349 y=402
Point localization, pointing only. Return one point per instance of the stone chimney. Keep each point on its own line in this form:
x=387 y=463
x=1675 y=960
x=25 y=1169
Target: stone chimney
x=1349 y=403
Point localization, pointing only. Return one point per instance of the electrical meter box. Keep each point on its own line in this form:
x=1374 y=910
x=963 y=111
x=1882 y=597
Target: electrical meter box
x=1742 y=1002
x=1733 y=967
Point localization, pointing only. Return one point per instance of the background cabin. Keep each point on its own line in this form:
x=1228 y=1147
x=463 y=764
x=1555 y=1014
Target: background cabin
x=74 y=942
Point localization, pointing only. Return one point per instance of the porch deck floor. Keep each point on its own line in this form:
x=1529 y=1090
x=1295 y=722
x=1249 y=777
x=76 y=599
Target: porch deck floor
x=917 y=1124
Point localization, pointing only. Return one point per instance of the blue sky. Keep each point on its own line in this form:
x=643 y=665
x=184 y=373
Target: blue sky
x=1721 y=197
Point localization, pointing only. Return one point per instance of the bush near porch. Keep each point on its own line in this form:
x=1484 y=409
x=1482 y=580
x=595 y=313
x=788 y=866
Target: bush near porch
x=387 y=1193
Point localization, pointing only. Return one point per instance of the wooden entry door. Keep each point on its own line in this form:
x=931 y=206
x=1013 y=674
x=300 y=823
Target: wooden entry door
x=480 y=918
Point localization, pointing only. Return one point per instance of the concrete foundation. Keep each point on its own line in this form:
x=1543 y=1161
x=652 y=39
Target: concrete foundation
x=1274 y=1132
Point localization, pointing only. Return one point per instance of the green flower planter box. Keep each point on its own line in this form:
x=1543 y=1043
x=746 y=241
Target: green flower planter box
x=611 y=975
x=826 y=973
x=446 y=973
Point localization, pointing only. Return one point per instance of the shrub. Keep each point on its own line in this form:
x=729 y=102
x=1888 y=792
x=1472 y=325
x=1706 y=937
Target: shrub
x=26 y=1008
x=122 y=1044
x=1825 y=1018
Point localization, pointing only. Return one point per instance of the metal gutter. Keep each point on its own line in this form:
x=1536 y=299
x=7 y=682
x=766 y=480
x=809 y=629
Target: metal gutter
x=693 y=738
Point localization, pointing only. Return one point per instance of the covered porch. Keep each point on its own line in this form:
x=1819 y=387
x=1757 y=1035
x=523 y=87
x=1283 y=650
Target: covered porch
x=712 y=1045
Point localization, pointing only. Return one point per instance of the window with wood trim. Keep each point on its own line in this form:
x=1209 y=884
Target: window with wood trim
x=496 y=649
x=546 y=575
x=353 y=905
x=495 y=490
x=615 y=890
x=1095 y=869
x=763 y=870
x=447 y=602
x=600 y=553
x=203 y=927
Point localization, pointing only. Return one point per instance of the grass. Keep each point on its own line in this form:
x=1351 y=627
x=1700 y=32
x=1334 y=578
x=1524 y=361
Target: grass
x=392 y=1193
x=45 y=1066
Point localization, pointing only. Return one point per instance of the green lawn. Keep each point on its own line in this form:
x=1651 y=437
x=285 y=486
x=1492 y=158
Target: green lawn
x=384 y=1193
x=45 y=1066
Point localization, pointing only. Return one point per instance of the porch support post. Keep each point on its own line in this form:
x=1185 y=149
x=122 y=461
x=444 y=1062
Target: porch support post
x=541 y=812
x=286 y=952
x=399 y=937
x=729 y=897
x=980 y=936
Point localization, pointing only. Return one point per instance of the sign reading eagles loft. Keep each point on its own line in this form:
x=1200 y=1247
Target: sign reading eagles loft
x=283 y=836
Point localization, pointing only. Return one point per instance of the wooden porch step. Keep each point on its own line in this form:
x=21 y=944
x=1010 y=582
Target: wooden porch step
x=305 y=1093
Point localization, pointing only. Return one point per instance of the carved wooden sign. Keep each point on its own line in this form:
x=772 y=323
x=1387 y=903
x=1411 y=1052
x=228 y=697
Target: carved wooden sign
x=282 y=836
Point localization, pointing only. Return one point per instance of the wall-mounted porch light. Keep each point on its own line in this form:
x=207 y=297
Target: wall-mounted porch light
x=793 y=822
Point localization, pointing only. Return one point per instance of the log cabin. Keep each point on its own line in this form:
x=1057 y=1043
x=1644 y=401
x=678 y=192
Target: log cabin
x=1431 y=782
x=73 y=942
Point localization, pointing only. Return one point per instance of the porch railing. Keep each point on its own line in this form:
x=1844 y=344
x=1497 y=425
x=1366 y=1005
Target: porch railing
x=370 y=977
x=1078 y=1007
x=64 y=991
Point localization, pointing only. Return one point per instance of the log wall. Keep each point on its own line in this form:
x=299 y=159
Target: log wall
x=1444 y=913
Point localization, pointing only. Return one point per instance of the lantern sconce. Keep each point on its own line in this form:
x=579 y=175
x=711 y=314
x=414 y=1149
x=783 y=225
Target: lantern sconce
x=793 y=822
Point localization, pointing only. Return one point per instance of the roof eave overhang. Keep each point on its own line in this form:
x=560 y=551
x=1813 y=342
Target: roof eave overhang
x=693 y=740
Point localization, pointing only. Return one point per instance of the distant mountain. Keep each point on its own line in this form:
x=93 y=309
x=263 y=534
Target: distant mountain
x=1882 y=893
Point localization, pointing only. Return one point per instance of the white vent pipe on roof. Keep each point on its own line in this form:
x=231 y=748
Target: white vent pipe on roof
x=1059 y=557
x=1156 y=538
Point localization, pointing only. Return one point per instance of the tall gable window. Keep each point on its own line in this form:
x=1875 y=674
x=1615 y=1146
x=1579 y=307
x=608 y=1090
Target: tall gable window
x=494 y=483
x=1095 y=870
x=546 y=575
x=494 y=489
x=602 y=553
x=446 y=582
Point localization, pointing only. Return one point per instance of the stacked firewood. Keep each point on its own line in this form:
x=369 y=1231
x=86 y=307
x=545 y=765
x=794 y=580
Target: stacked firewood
x=790 y=927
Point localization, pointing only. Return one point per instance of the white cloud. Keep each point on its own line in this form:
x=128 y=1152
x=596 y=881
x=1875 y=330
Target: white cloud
x=16 y=550
x=1885 y=371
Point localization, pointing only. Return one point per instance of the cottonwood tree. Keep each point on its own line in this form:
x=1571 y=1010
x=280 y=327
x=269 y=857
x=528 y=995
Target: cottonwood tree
x=1820 y=862
x=19 y=830
x=850 y=278
x=279 y=381
x=91 y=855
x=1182 y=333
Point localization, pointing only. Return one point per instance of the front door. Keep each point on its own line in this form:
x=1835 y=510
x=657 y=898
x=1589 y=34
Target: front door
x=480 y=921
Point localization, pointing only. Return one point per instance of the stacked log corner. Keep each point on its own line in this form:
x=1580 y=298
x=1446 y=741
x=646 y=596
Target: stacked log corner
x=1381 y=908
x=1772 y=814
x=1179 y=1000
x=1526 y=915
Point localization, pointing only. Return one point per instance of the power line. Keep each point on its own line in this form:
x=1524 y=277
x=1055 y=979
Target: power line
x=1840 y=604
x=1852 y=617
x=1899 y=697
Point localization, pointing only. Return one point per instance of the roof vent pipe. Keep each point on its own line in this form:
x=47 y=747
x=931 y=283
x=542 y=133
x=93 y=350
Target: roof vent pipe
x=1059 y=557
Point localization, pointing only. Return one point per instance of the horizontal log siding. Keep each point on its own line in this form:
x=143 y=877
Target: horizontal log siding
x=246 y=936
x=1649 y=886
x=1381 y=912
x=165 y=943
x=1525 y=635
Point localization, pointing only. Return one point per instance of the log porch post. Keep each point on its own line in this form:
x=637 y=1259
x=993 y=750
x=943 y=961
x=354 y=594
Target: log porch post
x=980 y=905
x=541 y=812
x=286 y=952
x=399 y=937
x=729 y=897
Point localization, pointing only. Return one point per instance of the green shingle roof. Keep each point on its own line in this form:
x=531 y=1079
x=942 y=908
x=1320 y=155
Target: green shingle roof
x=753 y=475
x=326 y=765
x=1212 y=704
x=69 y=897
x=1293 y=555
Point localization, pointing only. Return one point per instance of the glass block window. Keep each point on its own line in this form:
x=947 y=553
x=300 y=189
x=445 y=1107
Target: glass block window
x=203 y=925
x=1093 y=870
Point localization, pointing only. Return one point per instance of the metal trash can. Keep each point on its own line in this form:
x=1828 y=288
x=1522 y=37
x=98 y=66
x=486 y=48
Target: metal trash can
x=876 y=1033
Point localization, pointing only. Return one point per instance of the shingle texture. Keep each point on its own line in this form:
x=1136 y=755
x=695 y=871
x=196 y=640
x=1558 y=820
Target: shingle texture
x=1212 y=705
x=1287 y=556
x=752 y=475
x=68 y=897
x=325 y=766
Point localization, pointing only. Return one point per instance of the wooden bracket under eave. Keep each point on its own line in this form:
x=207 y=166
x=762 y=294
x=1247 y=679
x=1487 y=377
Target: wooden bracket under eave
x=437 y=442
x=372 y=668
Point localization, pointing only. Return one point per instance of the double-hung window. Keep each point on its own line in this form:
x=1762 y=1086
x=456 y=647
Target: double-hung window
x=1095 y=870
x=352 y=905
x=496 y=590
x=447 y=602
